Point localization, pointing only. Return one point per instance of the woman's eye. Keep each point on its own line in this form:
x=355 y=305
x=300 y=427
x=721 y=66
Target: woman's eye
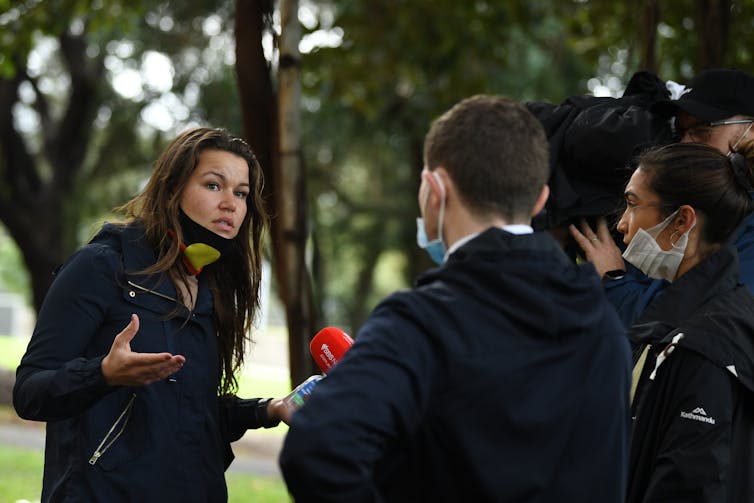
x=213 y=186
x=240 y=194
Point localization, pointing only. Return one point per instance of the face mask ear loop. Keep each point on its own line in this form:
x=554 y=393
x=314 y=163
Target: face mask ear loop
x=673 y=241
x=441 y=217
x=735 y=145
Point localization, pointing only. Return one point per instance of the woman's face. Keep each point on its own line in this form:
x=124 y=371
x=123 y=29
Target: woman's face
x=215 y=194
x=642 y=210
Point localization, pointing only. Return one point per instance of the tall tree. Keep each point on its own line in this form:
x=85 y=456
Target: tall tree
x=36 y=206
x=649 y=18
x=272 y=126
x=713 y=19
x=70 y=145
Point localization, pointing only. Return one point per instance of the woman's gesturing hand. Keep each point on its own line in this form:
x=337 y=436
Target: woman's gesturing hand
x=123 y=367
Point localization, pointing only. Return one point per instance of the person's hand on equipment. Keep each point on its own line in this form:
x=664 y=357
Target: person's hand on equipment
x=598 y=246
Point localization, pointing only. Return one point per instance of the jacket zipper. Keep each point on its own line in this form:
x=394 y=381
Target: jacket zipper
x=148 y=290
x=103 y=446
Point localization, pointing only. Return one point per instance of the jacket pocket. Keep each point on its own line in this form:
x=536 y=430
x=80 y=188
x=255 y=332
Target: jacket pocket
x=120 y=439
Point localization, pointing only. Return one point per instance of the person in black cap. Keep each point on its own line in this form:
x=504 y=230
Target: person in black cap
x=717 y=109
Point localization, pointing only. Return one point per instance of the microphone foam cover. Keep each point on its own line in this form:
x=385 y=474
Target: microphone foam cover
x=328 y=347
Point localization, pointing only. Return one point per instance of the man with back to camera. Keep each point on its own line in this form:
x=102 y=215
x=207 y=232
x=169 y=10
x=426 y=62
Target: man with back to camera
x=716 y=108
x=503 y=375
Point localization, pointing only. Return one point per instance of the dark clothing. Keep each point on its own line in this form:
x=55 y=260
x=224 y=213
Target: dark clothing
x=502 y=376
x=635 y=291
x=593 y=141
x=693 y=438
x=169 y=440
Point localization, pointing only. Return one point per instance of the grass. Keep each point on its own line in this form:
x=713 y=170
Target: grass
x=22 y=480
x=11 y=351
x=22 y=474
x=21 y=468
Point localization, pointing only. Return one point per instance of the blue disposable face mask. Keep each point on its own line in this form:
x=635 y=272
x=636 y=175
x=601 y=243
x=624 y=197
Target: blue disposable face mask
x=435 y=248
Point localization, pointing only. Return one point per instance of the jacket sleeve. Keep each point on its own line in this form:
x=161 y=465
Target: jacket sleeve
x=57 y=377
x=241 y=414
x=238 y=415
x=691 y=465
x=744 y=242
x=367 y=404
x=632 y=294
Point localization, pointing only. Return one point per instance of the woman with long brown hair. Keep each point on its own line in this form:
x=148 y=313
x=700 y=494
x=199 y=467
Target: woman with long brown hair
x=134 y=356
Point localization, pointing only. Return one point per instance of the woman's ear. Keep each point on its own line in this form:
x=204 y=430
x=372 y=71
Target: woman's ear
x=685 y=220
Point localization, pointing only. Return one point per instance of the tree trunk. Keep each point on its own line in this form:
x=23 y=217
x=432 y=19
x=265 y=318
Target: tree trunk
x=649 y=18
x=271 y=125
x=293 y=208
x=37 y=210
x=258 y=100
x=713 y=27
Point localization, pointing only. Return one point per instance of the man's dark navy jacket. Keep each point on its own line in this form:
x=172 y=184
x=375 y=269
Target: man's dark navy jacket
x=502 y=376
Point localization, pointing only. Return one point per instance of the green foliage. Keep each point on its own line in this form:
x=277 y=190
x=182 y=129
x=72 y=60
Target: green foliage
x=25 y=21
x=367 y=101
x=370 y=101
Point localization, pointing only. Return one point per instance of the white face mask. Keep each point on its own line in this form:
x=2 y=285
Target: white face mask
x=644 y=252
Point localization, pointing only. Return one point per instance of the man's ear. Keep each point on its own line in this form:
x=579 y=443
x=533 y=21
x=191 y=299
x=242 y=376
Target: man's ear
x=436 y=189
x=685 y=219
x=541 y=200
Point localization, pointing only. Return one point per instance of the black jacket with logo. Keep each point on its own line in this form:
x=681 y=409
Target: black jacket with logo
x=693 y=438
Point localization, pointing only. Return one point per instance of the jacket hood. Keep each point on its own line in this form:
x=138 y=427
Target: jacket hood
x=549 y=301
x=729 y=318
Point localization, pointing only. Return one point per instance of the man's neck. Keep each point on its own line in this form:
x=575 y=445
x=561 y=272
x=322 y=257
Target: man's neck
x=460 y=225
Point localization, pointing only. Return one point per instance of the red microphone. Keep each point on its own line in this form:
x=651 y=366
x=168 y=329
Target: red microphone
x=329 y=346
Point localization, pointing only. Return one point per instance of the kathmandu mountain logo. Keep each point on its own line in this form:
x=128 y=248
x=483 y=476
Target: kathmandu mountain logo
x=698 y=414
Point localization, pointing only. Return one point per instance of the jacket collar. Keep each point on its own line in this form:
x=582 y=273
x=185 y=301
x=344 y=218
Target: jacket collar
x=714 y=275
x=712 y=310
x=494 y=242
x=138 y=254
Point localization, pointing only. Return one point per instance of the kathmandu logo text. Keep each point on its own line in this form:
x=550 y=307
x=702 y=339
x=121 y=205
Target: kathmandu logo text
x=698 y=414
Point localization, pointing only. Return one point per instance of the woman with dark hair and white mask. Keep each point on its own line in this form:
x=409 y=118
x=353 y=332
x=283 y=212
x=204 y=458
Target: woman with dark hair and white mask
x=693 y=389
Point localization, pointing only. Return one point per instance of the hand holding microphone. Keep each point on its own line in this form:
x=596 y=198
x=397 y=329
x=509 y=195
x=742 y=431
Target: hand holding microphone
x=327 y=348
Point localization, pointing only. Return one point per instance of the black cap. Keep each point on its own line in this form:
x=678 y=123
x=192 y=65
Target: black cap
x=714 y=95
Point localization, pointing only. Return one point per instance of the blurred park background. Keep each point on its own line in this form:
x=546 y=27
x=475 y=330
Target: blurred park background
x=335 y=97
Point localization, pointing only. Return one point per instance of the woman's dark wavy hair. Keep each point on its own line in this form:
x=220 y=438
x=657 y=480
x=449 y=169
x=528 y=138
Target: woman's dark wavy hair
x=235 y=280
x=714 y=184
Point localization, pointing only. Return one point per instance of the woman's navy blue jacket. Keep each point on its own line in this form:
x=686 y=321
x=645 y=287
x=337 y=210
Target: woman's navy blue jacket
x=168 y=441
